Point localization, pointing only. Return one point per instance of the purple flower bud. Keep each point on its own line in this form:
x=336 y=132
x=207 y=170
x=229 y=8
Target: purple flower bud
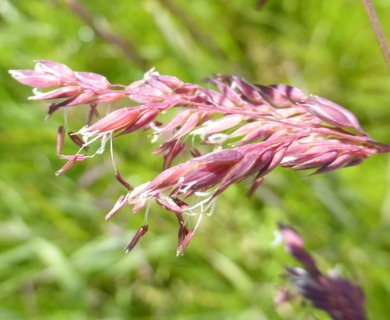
x=291 y=93
x=226 y=122
x=337 y=296
x=121 y=202
x=185 y=242
x=254 y=131
x=35 y=78
x=60 y=139
x=332 y=113
x=171 y=150
x=71 y=161
x=114 y=121
x=172 y=204
x=344 y=160
x=249 y=91
x=56 y=69
x=64 y=92
x=227 y=92
x=219 y=99
x=123 y=181
x=146 y=94
x=154 y=82
x=77 y=140
x=108 y=97
x=172 y=82
x=142 y=121
x=141 y=231
x=193 y=120
x=313 y=160
x=93 y=81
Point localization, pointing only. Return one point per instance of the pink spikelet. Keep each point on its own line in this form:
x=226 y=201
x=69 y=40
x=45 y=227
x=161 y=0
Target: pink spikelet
x=245 y=130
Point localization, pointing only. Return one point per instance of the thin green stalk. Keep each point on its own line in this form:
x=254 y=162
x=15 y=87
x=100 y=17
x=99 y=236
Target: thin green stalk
x=378 y=30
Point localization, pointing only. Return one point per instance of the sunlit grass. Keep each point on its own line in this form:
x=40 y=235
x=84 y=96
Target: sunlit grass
x=61 y=260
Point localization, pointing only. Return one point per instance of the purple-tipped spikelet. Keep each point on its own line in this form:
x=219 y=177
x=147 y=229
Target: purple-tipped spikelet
x=249 y=130
x=337 y=296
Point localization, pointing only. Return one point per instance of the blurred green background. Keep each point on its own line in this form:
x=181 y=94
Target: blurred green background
x=59 y=259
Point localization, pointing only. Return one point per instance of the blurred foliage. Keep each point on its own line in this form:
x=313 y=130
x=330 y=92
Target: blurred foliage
x=61 y=260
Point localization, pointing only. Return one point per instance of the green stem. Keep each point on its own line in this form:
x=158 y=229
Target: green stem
x=378 y=30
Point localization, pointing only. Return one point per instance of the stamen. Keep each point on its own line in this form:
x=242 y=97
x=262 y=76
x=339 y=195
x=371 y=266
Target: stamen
x=112 y=154
x=187 y=187
x=191 y=210
x=155 y=128
x=198 y=222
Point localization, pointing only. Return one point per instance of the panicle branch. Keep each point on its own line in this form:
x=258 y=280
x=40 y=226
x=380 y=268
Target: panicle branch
x=249 y=130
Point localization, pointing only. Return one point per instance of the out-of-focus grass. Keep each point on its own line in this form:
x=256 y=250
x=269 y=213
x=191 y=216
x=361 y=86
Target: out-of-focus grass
x=60 y=260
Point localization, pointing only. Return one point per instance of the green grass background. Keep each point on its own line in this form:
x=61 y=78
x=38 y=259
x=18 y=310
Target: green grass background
x=59 y=259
